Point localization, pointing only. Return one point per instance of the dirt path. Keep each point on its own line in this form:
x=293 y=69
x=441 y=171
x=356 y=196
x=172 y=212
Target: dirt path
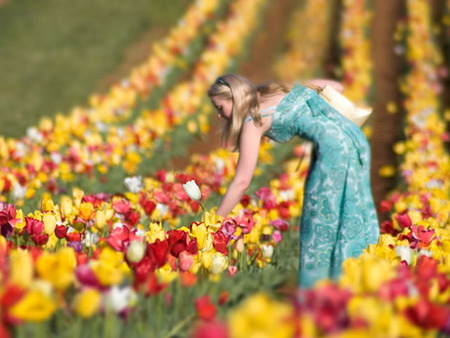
x=257 y=67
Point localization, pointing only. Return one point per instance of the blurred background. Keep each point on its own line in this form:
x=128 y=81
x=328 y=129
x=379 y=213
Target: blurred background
x=55 y=53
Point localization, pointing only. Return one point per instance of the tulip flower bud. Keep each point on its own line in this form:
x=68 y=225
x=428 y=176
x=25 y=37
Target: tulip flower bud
x=192 y=190
x=267 y=250
x=404 y=252
x=61 y=231
x=185 y=261
x=219 y=263
x=134 y=184
x=136 y=251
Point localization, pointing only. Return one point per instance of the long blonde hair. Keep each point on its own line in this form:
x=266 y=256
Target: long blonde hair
x=245 y=103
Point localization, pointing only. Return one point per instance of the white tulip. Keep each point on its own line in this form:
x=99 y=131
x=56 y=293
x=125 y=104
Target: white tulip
x=267 y=250
x=18 y=192
x=136 y=251
x=118 y=299
x=192 y=190
x=404 y=252
x=219 y=263
x=134 y=184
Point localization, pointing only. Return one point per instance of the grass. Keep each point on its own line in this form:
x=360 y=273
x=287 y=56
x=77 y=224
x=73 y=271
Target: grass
x=55 y=53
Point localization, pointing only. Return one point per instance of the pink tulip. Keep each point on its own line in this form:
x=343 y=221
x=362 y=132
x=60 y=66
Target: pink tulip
x=185 y=261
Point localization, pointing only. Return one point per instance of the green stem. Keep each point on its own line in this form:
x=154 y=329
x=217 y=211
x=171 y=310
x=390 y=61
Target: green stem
x=179 y=326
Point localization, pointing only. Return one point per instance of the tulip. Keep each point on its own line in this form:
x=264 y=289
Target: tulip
x=404 y=252
x=219 y=263
x=192 y=190
x=119 y=299
x=134 y=184
x=35 y=306
x=185 y=261
x=87 y=302
x=61 y=231
x=205 y=309
x=136 y=251
x=267 y=250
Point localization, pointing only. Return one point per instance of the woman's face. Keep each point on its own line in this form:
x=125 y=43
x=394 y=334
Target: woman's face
x=224 y=107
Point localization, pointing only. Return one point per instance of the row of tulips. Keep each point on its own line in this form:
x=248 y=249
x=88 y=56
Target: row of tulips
x=399 y=287
x=307 y=42
x=58 y=149
x=355 y=45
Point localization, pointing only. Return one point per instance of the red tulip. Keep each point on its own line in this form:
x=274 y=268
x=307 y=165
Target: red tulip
x=73 y=236
x=34 y=226
x=159 y=251
x=210 y=329
x=423 y=235
x=121 y=205
x=385 y=206
x=61 y=231
x=403 y=220
x=205 y=309
x=40 y=239
x=119 y=238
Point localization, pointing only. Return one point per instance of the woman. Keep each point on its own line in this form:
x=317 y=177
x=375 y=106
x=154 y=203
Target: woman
x=338 y=217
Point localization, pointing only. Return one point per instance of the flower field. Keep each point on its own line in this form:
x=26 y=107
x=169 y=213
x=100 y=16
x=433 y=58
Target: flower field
x=100 y=238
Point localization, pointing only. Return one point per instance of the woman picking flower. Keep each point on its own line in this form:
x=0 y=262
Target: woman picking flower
x=338 y=216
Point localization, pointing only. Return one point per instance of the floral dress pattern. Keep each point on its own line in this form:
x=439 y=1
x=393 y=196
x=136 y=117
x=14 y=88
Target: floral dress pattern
x=338 y=217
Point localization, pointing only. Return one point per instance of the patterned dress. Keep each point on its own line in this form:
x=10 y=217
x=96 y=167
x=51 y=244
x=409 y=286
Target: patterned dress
x=338 y=217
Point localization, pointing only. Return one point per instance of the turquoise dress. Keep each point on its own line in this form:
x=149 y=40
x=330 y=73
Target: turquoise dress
x=338 y=217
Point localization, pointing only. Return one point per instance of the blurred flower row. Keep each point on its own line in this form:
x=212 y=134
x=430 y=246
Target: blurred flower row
x=306 y=42
x=90 y=140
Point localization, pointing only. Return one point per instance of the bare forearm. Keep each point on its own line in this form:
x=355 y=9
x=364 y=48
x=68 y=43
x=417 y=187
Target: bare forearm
x=232 y=197
x=323 y=82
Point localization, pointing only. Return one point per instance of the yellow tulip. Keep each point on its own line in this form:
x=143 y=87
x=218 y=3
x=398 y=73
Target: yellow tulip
x=86 y=210
x=66 y=206
x=77 y=196
x=110 y=268
x=57 y=268
x=165 y=274
x=212 y=220
x=259 y=316
x=155 y=232
x=204 y=238
x=49 y=223
x=21 y=265
x=35 y=306
x=20 y=224
x=47 y=203
x=87 y=302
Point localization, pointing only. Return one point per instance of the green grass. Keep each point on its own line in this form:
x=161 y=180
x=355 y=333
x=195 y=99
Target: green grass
x=53 y=53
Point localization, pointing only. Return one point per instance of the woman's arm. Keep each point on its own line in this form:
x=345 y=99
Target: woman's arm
x=248 y=157
x=323 y=82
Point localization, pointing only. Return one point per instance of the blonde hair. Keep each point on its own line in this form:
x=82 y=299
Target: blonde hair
x=245 y=103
